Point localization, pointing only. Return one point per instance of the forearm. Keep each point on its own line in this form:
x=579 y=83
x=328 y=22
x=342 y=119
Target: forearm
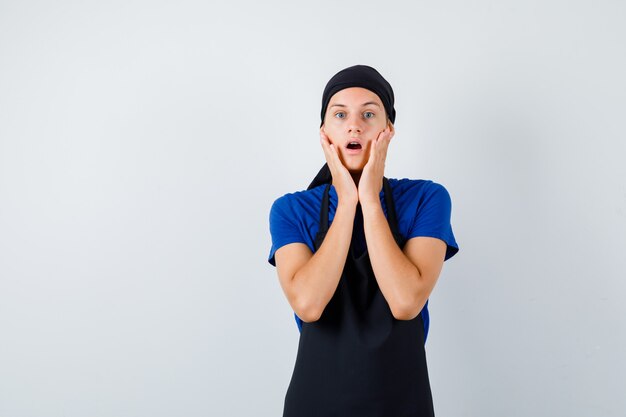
x=398 y=278
x=317 y=280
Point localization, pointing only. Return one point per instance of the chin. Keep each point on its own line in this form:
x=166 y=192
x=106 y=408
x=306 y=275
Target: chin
x=353 y=168
x=353 y=164
x=359 y=164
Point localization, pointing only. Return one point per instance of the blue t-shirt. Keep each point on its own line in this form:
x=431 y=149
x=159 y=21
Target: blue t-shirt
x=423 y=208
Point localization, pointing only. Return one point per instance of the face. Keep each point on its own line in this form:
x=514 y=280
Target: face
x=354 y=114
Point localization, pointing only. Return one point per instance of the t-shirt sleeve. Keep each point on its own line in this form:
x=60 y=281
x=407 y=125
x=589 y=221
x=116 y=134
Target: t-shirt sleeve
x=284 y=226
x=432 y=218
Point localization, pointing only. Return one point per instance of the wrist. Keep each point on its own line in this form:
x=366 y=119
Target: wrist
x=347 y=204
x=370 y=203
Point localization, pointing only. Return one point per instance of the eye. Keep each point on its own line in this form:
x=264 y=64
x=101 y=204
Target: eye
x=338 y=113
x=368 y=112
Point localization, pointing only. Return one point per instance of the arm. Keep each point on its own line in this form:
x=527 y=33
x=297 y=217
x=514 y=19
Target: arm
x=405 y=277
x=310 y=280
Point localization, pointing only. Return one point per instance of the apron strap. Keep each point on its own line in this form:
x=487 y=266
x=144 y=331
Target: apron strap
x=323 y=224
x=391 y=212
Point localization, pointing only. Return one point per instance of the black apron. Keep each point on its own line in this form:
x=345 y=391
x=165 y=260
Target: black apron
x=357 y=359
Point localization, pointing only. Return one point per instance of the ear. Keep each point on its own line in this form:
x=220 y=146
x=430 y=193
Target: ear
x=392 y=129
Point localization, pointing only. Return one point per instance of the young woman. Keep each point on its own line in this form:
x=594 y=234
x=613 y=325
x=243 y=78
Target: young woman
x=357 y=256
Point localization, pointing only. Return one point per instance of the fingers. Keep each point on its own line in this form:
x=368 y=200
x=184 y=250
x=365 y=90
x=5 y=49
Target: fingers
x=327 y=147
x=380 y=144
x=386 y=134
x=330 y=153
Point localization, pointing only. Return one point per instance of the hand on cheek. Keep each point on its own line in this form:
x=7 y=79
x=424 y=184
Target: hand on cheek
x=342 y=180
x=371 y=181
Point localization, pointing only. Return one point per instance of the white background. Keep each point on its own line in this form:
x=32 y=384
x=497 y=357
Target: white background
x=142 y=144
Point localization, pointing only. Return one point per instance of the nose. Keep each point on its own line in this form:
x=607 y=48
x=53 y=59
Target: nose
x=355 y=125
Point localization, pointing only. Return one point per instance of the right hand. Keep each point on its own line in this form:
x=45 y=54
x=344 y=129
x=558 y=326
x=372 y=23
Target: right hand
x=343 y=182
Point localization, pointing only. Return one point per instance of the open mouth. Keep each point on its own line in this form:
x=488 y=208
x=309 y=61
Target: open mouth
x=354 y=145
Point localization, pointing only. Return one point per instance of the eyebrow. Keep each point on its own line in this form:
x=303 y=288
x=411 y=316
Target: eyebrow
x=364 y=104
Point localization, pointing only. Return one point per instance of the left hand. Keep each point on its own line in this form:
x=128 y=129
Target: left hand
x=371 y=181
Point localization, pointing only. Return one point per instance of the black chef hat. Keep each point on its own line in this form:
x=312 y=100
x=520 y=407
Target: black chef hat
x=355 y=76
x=360 y=76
